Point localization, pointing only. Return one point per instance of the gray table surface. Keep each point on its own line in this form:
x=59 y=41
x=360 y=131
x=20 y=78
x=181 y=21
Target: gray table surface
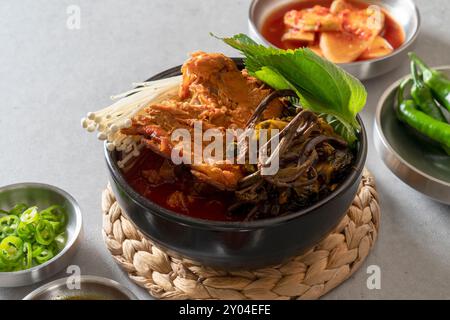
x=51 y=76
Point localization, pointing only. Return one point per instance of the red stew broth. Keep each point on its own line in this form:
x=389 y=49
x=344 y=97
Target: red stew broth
x=273 y=27
x=211 y=207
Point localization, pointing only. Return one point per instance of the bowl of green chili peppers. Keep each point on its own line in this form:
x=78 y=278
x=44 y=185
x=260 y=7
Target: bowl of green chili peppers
x=412 y=129
x=40 y=228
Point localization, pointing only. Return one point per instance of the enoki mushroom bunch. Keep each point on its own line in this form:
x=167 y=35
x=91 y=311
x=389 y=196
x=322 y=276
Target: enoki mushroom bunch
x=109 y=121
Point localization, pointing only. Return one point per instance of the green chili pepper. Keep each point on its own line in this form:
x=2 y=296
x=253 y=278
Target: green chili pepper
x=26 y=262
x=408 y=112
x=56 y=225
x=11 y=250
x=56 y=215
x=26 y=231
x=18 y=209
x=30 y=215
x=423 y=96
x=29 y=255
x=60 y=241
x=44 y=256
x=37 y=249
x=17 y=266
x=401 y=93
x=8 y=226
x=29 y=237
x=44 y=233
x=435 y=80
x=53 y=247
x=3 y=266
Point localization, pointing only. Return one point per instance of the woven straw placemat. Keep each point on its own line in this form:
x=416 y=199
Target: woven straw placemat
x=309 y=276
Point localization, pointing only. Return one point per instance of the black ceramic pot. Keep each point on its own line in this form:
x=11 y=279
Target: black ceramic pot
x=234 y=245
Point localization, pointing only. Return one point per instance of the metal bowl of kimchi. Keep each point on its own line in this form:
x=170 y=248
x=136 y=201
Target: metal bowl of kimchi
x=396 y=35
x=236 y=244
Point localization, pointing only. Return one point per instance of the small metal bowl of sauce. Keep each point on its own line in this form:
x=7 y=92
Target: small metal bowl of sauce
x=401 y=28
x=90 y=288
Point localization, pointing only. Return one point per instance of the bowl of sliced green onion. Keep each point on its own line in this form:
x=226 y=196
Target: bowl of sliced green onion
x=40 y=229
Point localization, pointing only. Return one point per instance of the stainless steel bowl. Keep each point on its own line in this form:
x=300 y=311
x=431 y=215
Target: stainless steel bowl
x=405 y=13
x=91 y=288
x=43 y=196
x=413 y=159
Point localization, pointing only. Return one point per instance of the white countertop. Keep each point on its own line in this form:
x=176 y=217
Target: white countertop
x=51 y=76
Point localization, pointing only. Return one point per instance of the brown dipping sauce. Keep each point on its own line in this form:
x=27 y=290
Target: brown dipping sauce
x=274 y=28
x=214 y=206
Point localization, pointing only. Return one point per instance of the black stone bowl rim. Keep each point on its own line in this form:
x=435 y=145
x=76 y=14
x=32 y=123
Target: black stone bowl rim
x=352 y=178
